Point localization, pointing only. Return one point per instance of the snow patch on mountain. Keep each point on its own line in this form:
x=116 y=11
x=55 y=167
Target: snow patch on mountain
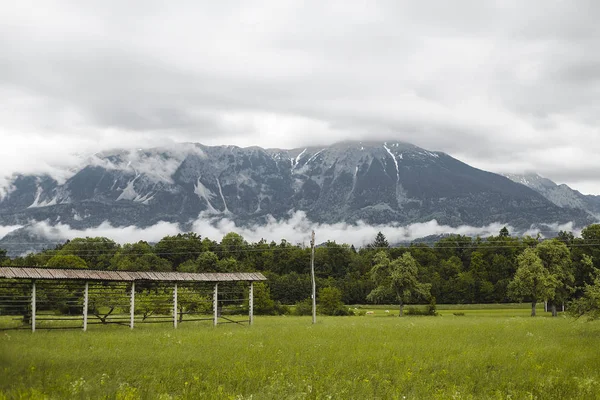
x=225 y=210
x=129 y=192
x=395 y=161
x=204 y=193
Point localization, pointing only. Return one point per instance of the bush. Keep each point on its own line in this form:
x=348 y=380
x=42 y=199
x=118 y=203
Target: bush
x=303 y=307
x=342 y=312
x=430 y=310
x=263 y=304
x=431 y=307
x=281 y=309
x=415 y=311
x=330 y=302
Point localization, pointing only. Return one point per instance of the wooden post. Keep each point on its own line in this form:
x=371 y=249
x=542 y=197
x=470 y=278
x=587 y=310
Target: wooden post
x=312 y=274
x=251 y=303
x=85 y=306
x=132 y=305
x=33 y=306
x=175 y=306
x=215 y=306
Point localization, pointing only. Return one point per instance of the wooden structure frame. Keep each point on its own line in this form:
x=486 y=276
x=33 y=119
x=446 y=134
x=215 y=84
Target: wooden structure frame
x=25 y=276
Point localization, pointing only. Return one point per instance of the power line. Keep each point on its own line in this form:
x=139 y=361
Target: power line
x=474 y=247
x=289 y=245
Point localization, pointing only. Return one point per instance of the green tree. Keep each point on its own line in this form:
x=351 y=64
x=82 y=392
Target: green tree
x=591 y=242
x=447 y=280
x=556 y=258
x=229 y=264
x=263 y=304
x=106 y=298
x=66 y=261
x=591 y=232
x=398 y=278
x=138 y=256
x=179 y=248
x=589 y=303
x=566 y=237
x=333 y=259
x=380 y=242
x=188 y=266
x=233 y=245
x=207 y=262
x=532 y=280
x=289 y=288
x=3 y=257
x=483 y=288
x=97 y=252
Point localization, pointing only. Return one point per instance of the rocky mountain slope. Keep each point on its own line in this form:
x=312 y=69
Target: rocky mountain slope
x=561 y=195
x=378 y=183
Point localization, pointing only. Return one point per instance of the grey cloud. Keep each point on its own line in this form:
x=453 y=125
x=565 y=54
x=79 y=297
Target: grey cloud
x=491 y=82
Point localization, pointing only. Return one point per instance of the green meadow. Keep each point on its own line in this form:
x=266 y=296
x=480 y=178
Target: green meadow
x=468 y=352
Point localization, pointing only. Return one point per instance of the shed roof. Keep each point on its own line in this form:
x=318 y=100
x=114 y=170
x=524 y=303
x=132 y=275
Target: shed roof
x=124 y=276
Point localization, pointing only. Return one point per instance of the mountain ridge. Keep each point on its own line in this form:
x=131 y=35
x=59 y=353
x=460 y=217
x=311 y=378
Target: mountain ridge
x=372 y=182
x=560 y=194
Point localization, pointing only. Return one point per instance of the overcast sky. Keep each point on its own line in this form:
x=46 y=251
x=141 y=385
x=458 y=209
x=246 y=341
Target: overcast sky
x=505 y=86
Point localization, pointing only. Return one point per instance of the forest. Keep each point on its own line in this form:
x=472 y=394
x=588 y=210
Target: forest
x=455 y=269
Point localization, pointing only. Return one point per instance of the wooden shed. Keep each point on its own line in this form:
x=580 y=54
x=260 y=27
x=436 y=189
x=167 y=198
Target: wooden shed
x=89 y=290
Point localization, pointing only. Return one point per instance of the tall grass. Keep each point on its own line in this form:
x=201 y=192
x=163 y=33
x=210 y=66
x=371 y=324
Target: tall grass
x=288 y=358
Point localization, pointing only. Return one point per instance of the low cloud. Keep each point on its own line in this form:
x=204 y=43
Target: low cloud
x=5 y=230
x=296 y=229
x=130 y=234
x=549 y=228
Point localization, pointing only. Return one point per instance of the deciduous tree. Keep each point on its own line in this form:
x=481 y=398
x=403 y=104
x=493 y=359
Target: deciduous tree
x=397 y=278
x=556 y=258
x=532 y=280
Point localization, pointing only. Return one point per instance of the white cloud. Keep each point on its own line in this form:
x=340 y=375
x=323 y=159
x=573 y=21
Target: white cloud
x=296 y=229
x=129 y=234
x=4 y=230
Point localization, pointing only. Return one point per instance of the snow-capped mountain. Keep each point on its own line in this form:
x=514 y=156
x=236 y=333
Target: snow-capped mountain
x=376 y=182
x=561 y=195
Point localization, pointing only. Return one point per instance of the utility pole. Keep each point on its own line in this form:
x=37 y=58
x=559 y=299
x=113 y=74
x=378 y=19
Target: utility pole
x=312 y=274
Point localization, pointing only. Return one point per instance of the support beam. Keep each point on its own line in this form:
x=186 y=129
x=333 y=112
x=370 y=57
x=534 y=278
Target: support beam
x=312 y=276
x=33 y=306
x=215 y=305
x=251 y=303
x=175 y=306
x=85 y=305
x=132 y=305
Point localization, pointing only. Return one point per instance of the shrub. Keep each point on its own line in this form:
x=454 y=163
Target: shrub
x=342 y=312
x=430 y=310
x=330 y=302
x=281 y=309
x=303 y=307
x=263 y=304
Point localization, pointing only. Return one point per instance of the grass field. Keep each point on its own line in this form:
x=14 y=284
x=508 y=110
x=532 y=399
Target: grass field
x=496 y=353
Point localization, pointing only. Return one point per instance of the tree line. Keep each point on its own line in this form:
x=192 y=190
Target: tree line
x=456 y=269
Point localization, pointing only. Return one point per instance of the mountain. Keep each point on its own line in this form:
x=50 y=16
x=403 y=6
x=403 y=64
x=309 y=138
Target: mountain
x=561 y=195
x=374 y=182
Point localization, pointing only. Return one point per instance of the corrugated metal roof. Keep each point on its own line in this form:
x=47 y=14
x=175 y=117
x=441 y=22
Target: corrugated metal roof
x=124 y=276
